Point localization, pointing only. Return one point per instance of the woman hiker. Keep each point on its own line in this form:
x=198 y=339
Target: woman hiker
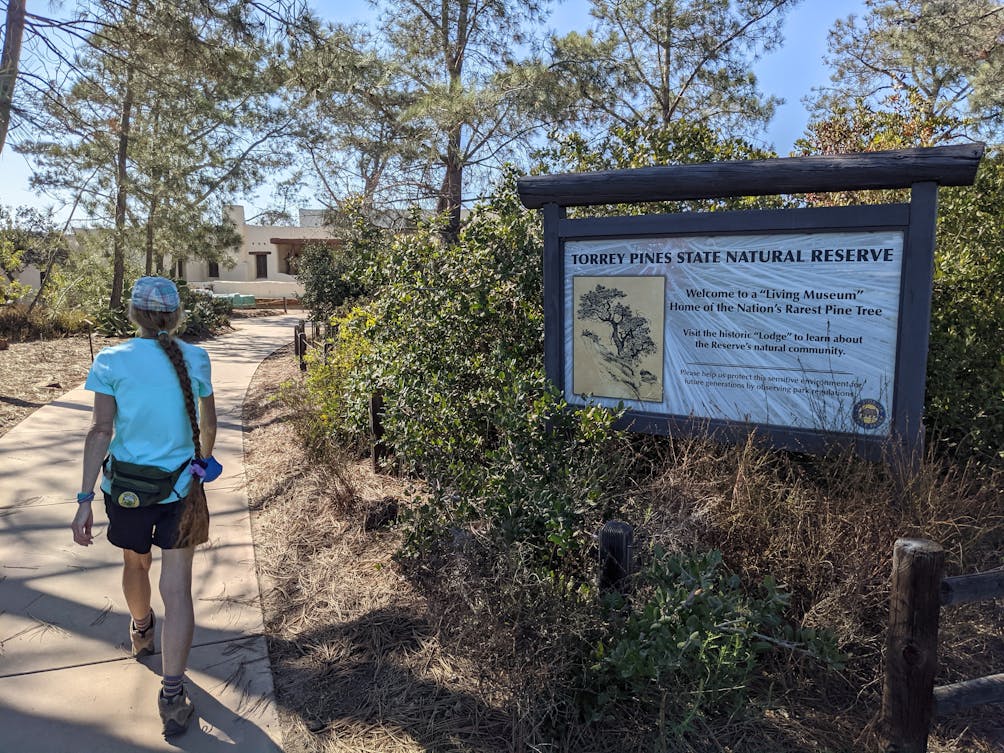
x=155 y=419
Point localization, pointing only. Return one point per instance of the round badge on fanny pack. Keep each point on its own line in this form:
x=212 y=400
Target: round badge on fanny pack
x=128 y=499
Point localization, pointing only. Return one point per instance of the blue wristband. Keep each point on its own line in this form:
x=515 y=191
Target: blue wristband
x=88 y=497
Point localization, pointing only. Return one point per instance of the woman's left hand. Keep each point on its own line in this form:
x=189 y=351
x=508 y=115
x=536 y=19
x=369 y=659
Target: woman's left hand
x=82 y=523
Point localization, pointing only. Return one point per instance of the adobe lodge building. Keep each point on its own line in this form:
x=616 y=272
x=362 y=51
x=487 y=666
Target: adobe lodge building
x=264 y=262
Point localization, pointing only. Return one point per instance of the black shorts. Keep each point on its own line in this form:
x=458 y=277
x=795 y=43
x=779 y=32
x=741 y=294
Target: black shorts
x=137 y=528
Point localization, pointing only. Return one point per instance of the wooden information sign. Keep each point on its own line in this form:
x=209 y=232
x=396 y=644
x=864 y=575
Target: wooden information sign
x=807 y=326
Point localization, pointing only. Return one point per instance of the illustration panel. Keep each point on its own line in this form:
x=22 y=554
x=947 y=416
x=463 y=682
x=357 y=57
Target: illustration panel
x=617 y=333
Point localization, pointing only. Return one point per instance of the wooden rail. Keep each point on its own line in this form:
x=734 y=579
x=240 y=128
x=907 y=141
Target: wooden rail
x=910 y=701
x=953 y=165
x=979 y=587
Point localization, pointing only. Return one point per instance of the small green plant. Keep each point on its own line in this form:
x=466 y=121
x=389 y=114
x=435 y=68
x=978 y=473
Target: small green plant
x=690 y=640
x=114 y=322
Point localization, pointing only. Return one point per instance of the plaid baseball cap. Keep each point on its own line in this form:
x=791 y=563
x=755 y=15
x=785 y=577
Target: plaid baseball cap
x=155 y=294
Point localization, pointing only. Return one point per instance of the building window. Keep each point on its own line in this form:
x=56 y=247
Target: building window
x=181 y=269
x=214 y=269
x=261 y=266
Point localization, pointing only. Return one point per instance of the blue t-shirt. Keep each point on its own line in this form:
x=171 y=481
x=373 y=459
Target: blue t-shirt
x=151 y=422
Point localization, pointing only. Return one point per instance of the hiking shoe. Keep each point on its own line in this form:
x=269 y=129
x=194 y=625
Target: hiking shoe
x=175 y=712
x=142 y=640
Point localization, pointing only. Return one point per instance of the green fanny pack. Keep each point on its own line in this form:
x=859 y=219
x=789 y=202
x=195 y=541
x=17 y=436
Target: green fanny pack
x=135 y=485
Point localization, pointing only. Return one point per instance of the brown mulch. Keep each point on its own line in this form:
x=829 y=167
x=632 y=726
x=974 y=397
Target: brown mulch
x=257 y=313
x=33 y=374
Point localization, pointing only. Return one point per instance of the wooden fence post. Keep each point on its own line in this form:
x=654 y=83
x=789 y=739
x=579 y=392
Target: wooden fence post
x=90 y=337
x=912 y=644
x=616 y=540
x=302 y=339
x=378 y=449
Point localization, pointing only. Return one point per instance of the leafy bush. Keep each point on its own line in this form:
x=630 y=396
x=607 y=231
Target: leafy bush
x=114 y=322
x=546 y=483
x=446 y=327
x=689 y=643
x=205 y=315
x=965 y=375
x=324 y=273
x=453 y=339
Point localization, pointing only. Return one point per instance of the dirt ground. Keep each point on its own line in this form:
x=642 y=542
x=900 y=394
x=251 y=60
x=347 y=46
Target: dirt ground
x=34 y=373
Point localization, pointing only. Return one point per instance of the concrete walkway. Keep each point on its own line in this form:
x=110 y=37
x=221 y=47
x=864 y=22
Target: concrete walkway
x=67 y=681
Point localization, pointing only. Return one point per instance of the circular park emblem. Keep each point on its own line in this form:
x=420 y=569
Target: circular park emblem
x=128 y=499
x=868 y=413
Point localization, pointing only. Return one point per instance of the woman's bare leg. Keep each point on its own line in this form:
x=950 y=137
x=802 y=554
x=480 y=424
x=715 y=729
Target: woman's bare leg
x=179 y=614
x=136 y=583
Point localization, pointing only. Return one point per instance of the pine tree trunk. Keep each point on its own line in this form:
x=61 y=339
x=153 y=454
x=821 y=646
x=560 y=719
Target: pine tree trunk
x=10 y=57
x=450 y=195
x=121 y=195
x=149 y=235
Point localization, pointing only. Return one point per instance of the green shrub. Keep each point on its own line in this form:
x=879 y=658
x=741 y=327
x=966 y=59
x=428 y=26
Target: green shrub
x=325 y=274
x=453 y=339
x=688 y=644
x=446 y=327
x=205 y=315
x=965 y=374
x=114 y=322
x=548 y=480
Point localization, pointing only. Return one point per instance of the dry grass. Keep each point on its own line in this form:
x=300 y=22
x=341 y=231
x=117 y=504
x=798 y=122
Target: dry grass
x=483 y=656
x=35 y=373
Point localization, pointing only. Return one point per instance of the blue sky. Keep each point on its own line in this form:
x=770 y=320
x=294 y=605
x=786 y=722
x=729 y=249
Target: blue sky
x=791 y=72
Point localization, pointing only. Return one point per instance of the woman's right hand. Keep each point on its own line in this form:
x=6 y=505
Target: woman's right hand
x=82 y=523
